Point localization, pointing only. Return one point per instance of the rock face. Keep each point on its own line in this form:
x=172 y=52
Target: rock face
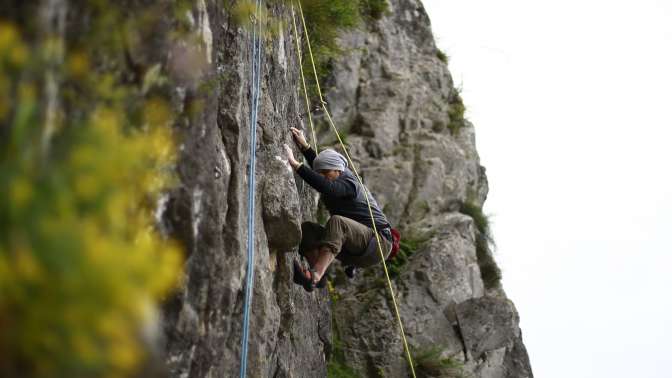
x=203 y=322
x=395 y=100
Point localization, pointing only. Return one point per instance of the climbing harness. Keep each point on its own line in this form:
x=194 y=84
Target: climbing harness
x=254 y=108
x=352 y=165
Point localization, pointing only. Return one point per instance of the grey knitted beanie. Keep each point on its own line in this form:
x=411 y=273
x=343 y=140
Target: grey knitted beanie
x=330 y=159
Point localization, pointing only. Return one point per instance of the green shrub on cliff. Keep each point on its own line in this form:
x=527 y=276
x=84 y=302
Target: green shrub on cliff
x=490 y=272
x=456 y=111
x=373 y=9
x=83 y=158
x=430 y=363
x=325 y=21
x=442 y=56
x=408 y=246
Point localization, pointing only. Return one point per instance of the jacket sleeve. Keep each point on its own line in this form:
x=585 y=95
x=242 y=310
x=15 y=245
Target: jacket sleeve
x=340 y=188
x=310 y=155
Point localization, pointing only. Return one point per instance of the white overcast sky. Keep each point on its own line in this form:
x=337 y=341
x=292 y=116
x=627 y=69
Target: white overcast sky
x=572 y=106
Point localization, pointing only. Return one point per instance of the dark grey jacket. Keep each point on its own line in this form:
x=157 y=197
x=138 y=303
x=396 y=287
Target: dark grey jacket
x=343 y=196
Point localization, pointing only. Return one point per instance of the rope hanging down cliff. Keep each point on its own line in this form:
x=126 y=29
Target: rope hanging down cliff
x=254 y=107
x=303 y=79
x=347 y=155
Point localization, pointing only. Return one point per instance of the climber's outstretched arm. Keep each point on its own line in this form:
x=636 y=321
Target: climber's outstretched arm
x=339 y=188
x=305 y=148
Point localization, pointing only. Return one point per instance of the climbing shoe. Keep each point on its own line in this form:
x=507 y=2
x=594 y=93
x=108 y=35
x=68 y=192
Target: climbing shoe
x=301 y=278
x=350 y=271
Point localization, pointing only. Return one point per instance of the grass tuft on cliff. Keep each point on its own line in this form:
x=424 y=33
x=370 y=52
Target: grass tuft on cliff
x=325 y=20
x=456 y=111
x=408 y=246
x=374 y=10
x=490 y=272
x=429 y=363
x=442 y=56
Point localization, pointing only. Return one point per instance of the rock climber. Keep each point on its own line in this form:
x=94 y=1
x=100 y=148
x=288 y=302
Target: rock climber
x=348 y=234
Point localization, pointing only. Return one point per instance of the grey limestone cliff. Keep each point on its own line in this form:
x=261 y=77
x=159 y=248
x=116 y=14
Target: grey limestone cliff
x=395 y=99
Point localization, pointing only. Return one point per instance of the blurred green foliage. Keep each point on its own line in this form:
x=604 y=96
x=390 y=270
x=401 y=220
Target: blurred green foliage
x=85 y=151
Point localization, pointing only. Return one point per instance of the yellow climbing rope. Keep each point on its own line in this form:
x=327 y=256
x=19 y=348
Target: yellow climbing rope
x=303 y=79
x=354 y=170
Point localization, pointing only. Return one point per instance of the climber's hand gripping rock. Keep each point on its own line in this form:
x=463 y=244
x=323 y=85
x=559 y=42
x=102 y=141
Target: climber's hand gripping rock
x=290 y=158
x=299 y=138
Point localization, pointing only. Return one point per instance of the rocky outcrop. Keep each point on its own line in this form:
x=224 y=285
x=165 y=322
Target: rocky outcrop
x=203 y=322
x=394 y=98
x=396 y=102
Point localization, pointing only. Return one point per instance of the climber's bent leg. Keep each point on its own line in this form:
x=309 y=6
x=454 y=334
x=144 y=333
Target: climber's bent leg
x=312 y=256
x=342 y=237
x=346 y=234
x=325 y=257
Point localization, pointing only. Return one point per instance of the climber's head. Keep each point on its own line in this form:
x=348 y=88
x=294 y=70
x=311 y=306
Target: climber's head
x=330 y=174
x=330 y=164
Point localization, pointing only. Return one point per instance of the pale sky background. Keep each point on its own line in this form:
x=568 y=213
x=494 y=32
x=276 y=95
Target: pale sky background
x=572 y=106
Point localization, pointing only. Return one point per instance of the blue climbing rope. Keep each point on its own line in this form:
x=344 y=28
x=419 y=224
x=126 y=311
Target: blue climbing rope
x=255 y=90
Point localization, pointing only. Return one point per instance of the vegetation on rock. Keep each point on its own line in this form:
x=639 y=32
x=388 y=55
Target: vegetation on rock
x=374 y=9
x=442 y=56
x=337 y=366
x=456 y=114
x=325 y=20
x=408 y=246
x=490 y=272
x=430 y=363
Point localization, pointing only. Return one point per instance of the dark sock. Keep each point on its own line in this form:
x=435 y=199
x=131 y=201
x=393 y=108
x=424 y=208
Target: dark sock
x=350 y=271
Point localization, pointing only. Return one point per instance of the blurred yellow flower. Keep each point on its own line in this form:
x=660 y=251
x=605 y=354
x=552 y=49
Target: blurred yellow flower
x=157 y=113
x=78 y=65
x=86 y=186
x=125 y=354
x=21 y=191
x=8 y=36
x=27 y=92
x=5 y=97
x=81 y=266
x=52 y=48
x=18 y=55
x=25 y=265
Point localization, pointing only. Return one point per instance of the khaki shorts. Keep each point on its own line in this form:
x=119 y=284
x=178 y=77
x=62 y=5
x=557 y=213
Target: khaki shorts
x=352 y=242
